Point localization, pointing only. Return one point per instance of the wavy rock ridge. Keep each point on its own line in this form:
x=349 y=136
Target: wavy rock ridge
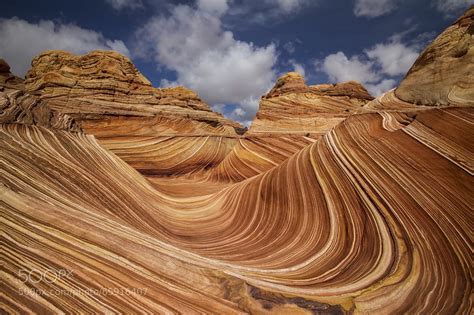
x=291 y=116
x=18 y=106
x=331 y=203
x=108 y=97
x=341 y=231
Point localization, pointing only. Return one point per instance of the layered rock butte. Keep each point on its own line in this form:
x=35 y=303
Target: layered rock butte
x=120 y=197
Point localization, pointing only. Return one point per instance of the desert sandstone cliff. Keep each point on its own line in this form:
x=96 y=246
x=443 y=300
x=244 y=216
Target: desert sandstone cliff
x=152 y=129
x=332 y=202
x=291 y=116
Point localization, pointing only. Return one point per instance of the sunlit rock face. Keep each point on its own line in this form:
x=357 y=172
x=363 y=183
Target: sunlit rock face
x=293 y=107
x=18 y=106
x=444 y=72
x=154 y=130
x=291 y=116
x=369 y=214
x=107 y=83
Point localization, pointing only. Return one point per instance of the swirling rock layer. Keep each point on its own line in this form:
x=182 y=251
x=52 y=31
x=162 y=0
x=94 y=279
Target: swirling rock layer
x=108 y=97
x=376 y=217
x=291 y=116
x=18 y=106
x=332 y=203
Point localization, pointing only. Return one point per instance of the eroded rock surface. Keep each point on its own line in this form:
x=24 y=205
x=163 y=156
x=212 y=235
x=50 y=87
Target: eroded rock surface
x=291 y=116
x=19 y=106
x=444 y=72
x=333 y=203
x=292 y=107
x=152 y=129
x=107 y=83
x=372 y=218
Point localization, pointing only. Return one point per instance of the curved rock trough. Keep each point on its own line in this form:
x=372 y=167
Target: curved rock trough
x=120 y=197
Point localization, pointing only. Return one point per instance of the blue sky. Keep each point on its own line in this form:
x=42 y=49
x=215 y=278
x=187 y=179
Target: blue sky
x=232 y=51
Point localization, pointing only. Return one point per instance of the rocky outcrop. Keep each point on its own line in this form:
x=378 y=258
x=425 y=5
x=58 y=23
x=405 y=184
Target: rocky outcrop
x=291 y=116
x=444 y=72
x=105 y=83
x=370 y=214
x=293 y=82
x=153 y=129
x=18 y=106
x=292 y=107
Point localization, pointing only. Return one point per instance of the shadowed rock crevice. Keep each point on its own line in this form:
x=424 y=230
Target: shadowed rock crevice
x=269 y=300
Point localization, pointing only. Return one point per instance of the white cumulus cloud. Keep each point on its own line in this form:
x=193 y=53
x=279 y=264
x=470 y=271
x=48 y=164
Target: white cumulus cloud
x=21 y=41
x=298 y=67
x=376 y=68
x=125 y=4
x=340 y=68
x=207 y=58
x=374 y=8
x=394 y=57
x=381 y=87
x=213 y=6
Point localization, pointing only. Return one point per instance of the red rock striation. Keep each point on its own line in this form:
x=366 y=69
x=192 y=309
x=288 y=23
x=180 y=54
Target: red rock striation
x=291 y=116
x=19 y=106
x=333 y=203
x=152 y=129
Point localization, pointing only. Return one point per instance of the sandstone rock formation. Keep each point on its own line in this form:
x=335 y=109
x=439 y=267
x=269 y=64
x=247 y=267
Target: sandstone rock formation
x=332 y=203
x=374 y=217
x=150 y=128
x=293 y=107
x=16 y=105
x=291 y=116
x=106 y=83
x=444 y=72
